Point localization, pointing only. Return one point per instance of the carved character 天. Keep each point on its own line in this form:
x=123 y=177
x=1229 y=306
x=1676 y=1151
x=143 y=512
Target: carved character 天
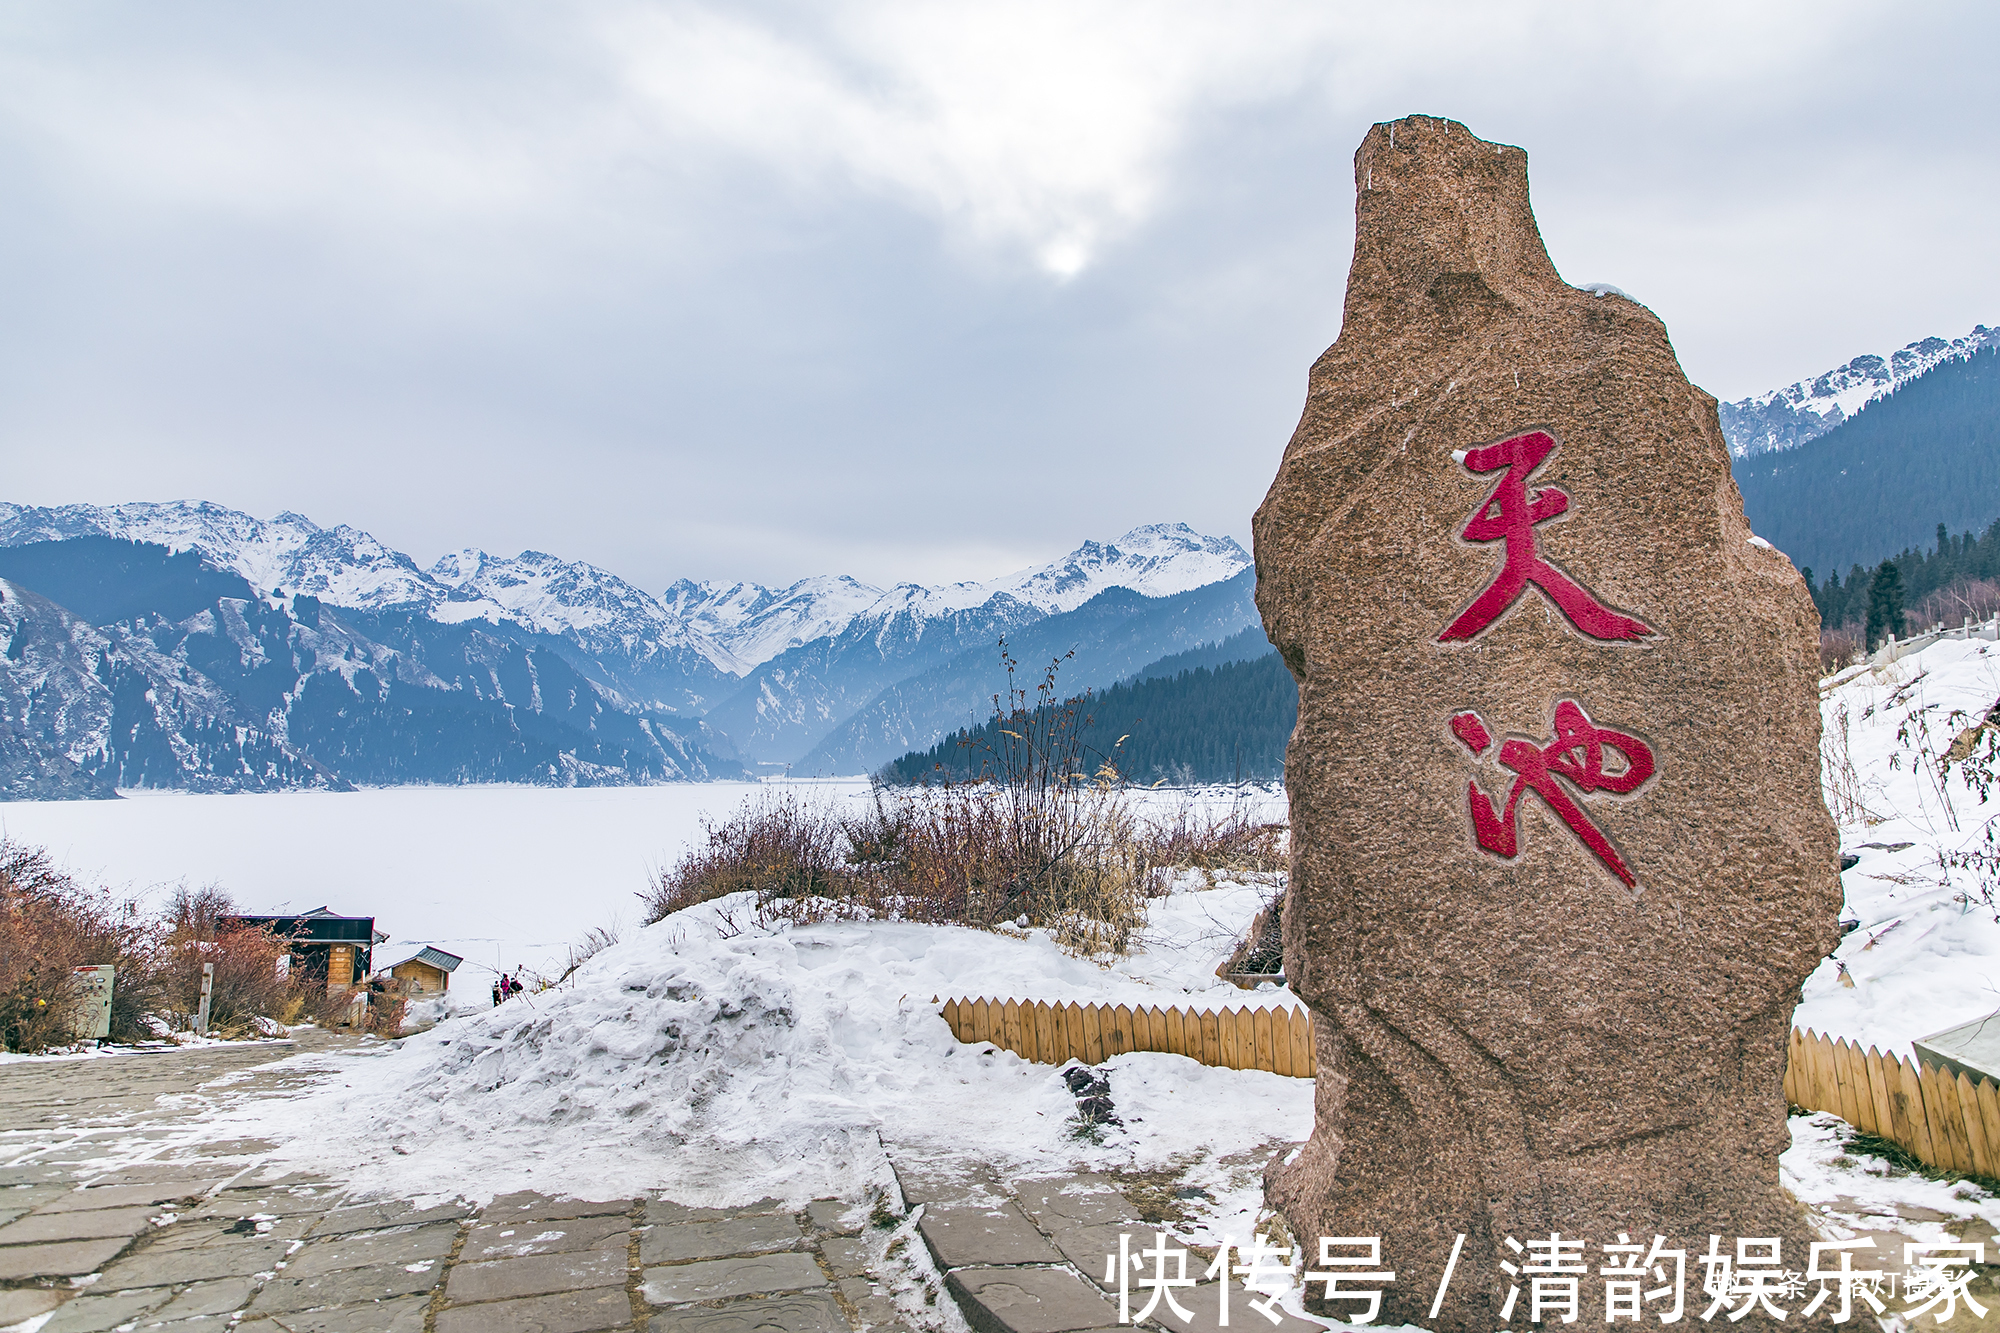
x=1509 y=515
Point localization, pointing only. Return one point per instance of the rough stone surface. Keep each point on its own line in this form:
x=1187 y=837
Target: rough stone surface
x=1204 y=1303
x=219 y=1296
x=1029 y=1300
x=542 y=1208
x=96 y=1314
x=1088 y=1246
x=127 y=1196
x=832 y=1215
x=69 y=1258
x=404 y=1315
x=666 y=1210
x=975 y=1235
x=588 y=1311
x=25 y=1303
x=1075 y=1200
x=515 y=1239
x=370 y=1249
x=1520 y=1044
x=815 y=1313
x=876 y=1307
x=712 y=1240
x=536 y=1275
x=715 y=1279
x=152 y=1268
x=376 y=1216
x=96 y=1224
x=347 y=1287
x=294 y=1201
x=845 y=1256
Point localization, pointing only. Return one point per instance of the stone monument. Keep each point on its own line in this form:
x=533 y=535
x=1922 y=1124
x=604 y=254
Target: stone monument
x=1560 y=861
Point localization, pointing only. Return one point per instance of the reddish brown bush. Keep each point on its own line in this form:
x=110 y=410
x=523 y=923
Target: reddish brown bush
x=49 y=927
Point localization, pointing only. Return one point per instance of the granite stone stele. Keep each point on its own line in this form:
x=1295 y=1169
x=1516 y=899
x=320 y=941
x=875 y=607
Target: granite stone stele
x=1559 y=856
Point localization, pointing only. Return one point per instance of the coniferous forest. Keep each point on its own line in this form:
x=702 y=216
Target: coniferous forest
x=1953 y=579
x=1880 y=481
x=1204 y=724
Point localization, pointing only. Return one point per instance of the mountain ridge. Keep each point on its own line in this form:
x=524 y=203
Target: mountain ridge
x=1802 y=412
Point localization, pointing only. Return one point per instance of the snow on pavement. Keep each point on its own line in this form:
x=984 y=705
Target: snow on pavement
x=712 y=1059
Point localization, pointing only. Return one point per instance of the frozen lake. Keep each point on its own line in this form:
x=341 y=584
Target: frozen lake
x=503 y=876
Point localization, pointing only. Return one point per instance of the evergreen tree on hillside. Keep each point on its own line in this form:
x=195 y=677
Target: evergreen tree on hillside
x=1885 y=604
x=1205 y=725
x=1880 y=480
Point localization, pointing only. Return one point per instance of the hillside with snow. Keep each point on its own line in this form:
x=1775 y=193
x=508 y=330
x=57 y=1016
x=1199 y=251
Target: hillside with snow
x=498 y=649
x=1909 y=753
x=1801 y=412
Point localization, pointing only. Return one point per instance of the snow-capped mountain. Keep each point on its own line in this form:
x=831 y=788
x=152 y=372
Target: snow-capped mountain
x=342 y=566
x=772 y=671
x=756 y=624
x=596 y=608
x=791 y=703
x=753 y=624
x=1158 y=560
x=1788 y=417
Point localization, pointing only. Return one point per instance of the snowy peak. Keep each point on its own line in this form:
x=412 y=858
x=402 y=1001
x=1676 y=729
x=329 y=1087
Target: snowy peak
x=343 y=566
x=568 y=598
x=755 y=623
x=1788 y=417
x=1157 y=560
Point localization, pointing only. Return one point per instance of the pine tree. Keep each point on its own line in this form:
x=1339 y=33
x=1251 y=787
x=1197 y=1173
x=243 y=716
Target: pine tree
x=1885 y=604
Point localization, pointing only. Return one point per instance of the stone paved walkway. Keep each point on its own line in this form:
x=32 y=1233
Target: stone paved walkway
x=113 y=1215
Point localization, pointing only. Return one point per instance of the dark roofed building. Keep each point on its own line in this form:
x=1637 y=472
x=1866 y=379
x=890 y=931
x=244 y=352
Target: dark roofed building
x=323 y=943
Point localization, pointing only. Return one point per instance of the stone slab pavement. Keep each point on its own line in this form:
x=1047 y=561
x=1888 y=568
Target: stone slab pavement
x=116 y=1214
x=113 y=1215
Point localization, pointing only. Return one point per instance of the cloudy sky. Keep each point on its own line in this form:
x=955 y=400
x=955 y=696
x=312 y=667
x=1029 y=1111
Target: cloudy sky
x=903 y=290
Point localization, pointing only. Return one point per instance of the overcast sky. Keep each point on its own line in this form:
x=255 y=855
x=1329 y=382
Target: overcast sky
x=904 y=290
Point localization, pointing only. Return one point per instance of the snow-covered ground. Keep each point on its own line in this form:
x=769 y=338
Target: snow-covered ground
x=1926 y=952
x=718 y=1060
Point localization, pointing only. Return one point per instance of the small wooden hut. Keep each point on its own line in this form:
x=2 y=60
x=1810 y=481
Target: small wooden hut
x=427 y=972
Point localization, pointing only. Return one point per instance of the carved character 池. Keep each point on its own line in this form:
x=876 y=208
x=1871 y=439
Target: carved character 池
x=1509 y=515
x=1576 y=753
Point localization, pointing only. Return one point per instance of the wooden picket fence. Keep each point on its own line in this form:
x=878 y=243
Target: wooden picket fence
x=1943 y=1119
x=1277 y=1040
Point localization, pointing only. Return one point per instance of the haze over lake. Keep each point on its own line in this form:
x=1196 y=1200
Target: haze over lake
x=504 y=876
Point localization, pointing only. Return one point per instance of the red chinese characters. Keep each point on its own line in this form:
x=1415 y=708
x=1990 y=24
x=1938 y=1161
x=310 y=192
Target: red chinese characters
x=1510 y=515
x=1576 y=756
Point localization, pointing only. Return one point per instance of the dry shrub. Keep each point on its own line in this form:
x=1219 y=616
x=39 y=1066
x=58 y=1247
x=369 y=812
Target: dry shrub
x=1034 y=839
x=778 y=846
x=1965 y=599
x=50 y=926
x=1197 y=840
x=249 y=983
x=385 y=1013
x=1839 y=647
